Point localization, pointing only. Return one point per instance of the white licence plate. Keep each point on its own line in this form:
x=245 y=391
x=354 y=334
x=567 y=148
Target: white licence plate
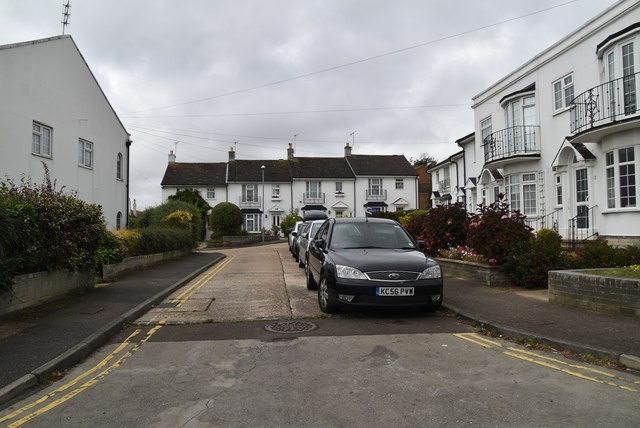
x=394 y=291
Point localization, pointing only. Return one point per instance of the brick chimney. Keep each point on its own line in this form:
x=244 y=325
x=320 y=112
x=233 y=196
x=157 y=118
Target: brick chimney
x=172 y=157
x=347 y=150
x=290 y=151
x=232 y=154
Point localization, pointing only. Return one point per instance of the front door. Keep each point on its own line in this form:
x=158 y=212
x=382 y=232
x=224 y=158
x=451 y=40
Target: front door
x=582 y=198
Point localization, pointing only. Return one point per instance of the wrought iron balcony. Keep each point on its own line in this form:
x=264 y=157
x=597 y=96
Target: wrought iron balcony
x=444 y=185
x=606 y=103
x=510 y=142
x=376 y=195
x=313 y=198
x=250 y=202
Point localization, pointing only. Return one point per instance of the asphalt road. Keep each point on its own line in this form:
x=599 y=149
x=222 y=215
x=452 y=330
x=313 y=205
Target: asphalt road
x=245 y=345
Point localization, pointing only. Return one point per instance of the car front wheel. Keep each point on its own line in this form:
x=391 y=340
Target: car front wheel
x=327 y=304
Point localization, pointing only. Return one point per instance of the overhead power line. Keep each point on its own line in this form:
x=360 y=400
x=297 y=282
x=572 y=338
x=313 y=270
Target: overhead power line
x=360 y=61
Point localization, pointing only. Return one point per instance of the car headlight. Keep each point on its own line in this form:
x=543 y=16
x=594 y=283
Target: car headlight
x=349 y=272
x=431 y=273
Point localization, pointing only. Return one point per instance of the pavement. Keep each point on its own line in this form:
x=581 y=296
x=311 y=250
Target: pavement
x=36 y=344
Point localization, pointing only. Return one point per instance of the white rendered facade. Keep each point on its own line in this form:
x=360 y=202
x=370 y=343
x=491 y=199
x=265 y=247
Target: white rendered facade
x=52 y=110
x=560 y=136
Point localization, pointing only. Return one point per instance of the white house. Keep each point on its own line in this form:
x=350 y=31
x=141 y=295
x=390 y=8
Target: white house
x=53 y=111
x=448 y=177
x=560 y=135
x=268 y=190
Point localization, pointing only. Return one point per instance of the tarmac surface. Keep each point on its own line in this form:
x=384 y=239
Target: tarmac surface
x=35 y=344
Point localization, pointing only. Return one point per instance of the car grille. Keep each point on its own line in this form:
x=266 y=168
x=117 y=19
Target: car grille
x=393 y=276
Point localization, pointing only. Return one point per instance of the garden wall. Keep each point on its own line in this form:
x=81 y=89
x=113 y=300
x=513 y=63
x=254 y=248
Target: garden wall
x=611 y=295
x=131 y=264
x=476 y=272
x=234 y=241
x=36 y=288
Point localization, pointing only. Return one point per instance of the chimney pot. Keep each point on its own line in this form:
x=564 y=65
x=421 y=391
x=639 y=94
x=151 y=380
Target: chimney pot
x=347 y=150
x=232 y=154
x=172 y=157
x=290 y=151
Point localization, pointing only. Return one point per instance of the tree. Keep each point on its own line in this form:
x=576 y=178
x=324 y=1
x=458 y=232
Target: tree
x=193 y=197
x=424 y=160
x=226 y=219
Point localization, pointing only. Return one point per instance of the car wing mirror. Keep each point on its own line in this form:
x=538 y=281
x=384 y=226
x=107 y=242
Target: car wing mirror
x=422 y=245
x=320 y=243
x=294 y=233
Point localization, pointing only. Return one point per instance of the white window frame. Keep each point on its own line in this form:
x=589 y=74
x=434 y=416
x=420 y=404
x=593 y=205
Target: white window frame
x=119 y=159
x=211 y=192
x=275 y=191
x=254 y=220
x=43 y=134
x=614 y=169
x=522 y=190
x=250 y=189
x=338 y=186
x=375 y=187
x=399 y=183
x=486 y=128
x=85 y=153
x=563 y=92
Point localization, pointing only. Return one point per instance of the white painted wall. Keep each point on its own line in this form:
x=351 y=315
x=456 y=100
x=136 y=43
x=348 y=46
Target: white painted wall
x=50 y=83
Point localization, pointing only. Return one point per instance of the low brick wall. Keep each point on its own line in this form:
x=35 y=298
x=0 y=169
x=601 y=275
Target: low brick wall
x=37 y=288
x=605 y=294
x=131 y=264
x=476 y=272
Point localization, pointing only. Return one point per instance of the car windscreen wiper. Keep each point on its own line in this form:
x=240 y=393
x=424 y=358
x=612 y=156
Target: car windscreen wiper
x=365 y=247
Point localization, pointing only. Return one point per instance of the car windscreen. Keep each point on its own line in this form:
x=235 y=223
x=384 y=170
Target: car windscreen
x=370 y=235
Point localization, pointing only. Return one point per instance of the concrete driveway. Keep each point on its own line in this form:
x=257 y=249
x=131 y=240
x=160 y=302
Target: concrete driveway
x=251 y=283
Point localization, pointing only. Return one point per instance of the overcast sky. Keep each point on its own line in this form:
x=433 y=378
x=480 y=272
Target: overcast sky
x=206 y=74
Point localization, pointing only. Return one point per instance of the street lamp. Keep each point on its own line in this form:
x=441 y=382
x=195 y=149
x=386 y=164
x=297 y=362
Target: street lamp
x=262 y=219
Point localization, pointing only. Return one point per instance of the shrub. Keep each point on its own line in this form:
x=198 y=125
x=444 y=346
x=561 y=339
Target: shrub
x=289 y=221
x=443 y=227
x=152 y=217
x=192 y=196
x=179 y=219
x=496 y=233
x=531 y=260
x=61 y=231
x=413 y=221
x=226 y=219
x=158 y=240
x=393 y=215
x=598 y=254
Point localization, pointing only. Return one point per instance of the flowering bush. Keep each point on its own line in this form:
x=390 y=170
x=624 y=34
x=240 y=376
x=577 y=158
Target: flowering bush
x=413 y=221
x=442 y=227
x=495 y=232
x=465 y=253
x=180 y=219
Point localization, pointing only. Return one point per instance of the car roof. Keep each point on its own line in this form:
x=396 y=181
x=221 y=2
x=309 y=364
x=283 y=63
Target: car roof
x=364 y=220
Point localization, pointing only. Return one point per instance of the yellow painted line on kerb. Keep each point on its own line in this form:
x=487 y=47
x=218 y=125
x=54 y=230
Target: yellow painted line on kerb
x=478 y=340
x=186 y=294
x=117 y=363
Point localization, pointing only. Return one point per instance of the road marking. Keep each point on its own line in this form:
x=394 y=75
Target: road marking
x=186 y=294
x=478 y=340
x=549 y=362
x=89 y=383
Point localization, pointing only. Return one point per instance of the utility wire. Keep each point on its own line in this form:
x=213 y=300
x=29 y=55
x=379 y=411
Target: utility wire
x=360 y=61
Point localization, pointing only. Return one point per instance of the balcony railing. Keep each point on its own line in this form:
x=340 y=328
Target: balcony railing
x=444 y=185
x=313 y=198
x=609 y=102
x=376 y=195
x=250 y=202
x=514 y=141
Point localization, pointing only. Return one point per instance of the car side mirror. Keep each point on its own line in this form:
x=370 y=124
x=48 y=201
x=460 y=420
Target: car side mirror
x=320 y=243
x=294 y=233
x=422 y=245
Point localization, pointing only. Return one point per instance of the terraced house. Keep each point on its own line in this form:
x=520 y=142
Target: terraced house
x=560 y=135
x=267 y=190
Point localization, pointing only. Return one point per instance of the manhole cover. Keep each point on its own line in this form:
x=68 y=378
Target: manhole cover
x=290 y=326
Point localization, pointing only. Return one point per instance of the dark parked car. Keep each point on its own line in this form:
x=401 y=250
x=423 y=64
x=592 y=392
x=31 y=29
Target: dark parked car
x=295 y=248
x=371 y=262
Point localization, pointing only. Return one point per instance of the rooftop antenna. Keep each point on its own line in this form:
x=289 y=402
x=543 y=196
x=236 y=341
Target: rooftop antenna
x=66 y=15
x=353 y=138
x=175 y=147
x=294 y=140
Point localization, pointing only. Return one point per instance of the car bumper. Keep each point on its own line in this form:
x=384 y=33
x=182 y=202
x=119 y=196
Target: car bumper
x=364 y=293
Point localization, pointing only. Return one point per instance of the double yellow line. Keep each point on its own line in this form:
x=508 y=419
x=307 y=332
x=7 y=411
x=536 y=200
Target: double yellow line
x=112 y=361
x=592 y=374
x=187 y=293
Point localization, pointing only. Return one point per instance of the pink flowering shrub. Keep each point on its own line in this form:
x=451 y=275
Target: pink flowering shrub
x=443 y=227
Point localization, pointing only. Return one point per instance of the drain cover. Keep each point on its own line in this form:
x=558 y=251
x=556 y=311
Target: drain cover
x=290 y=326
x=167 y=305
